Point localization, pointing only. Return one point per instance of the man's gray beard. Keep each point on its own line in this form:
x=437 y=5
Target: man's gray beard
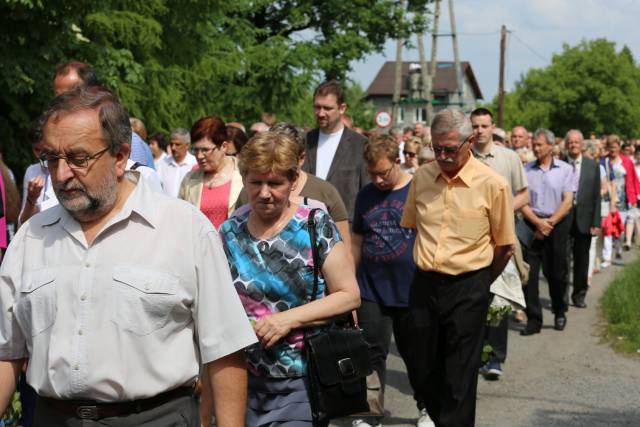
x=88 y=206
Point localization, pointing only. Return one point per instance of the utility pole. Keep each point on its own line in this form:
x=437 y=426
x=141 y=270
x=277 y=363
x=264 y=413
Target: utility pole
x=433 y=64
x=456 y=55
x=397 y=87
x=503 y=45
x=424 y=76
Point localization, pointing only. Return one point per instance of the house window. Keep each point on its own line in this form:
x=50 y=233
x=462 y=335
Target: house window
x=421 y=115
x=400 y=118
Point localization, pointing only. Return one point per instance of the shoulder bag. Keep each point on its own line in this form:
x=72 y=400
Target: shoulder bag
x=337 y=360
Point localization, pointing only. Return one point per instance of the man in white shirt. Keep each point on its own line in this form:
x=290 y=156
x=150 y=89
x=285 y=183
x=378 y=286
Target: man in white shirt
x=173 y=168
x=116 y=334
x=334 y=153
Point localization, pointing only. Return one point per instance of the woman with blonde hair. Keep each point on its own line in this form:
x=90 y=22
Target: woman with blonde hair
x=269 y=251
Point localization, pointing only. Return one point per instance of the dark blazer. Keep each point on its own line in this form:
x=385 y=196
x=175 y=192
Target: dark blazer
x=587 y=206
x=348 y=171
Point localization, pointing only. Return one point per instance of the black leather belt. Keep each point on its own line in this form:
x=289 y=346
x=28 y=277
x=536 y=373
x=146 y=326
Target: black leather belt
x=93 y=410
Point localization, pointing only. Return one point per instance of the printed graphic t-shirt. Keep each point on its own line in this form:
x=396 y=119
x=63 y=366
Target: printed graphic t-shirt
x=386 y=266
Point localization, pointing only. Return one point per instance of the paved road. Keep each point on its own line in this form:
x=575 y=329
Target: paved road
x=560 y=379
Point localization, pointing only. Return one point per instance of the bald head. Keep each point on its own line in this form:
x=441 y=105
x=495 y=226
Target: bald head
x=73 y=74
x=519 y=137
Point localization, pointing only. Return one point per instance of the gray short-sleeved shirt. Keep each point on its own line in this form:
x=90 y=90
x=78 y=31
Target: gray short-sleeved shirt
x=130 y=316
x=507 y=164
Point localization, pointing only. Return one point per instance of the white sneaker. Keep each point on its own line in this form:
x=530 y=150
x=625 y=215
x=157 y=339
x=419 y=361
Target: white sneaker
x=363 y=423
x=424 y=420
x=605 y=264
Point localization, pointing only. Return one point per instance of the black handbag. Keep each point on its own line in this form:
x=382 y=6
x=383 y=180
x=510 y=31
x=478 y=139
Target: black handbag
x=337 y=360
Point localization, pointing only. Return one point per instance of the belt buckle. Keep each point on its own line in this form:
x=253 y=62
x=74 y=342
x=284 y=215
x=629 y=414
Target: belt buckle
x=87 y=412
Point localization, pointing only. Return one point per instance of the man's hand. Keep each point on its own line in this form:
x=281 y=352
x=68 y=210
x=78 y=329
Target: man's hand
x=34 y=188
x=545 y=227
x=595 y=231
x=501 y=255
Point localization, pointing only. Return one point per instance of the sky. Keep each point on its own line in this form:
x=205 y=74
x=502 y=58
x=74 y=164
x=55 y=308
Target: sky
x=538 y=30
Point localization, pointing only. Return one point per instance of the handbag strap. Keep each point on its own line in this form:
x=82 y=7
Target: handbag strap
x=311 y=225
x=313 y=233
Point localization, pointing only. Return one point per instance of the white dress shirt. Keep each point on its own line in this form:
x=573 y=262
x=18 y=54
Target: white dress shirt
x=171 y=173
x=156 y=162
x=127 y=317
x=327 y=146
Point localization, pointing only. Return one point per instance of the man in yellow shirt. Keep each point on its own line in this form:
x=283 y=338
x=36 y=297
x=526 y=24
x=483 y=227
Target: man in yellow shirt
x=463 y=213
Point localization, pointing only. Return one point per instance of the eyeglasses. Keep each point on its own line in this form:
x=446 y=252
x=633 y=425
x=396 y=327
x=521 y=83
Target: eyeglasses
x=197 y=150
x=383 y=175
x=449 y=151
x=51 y=160
x=409 y=154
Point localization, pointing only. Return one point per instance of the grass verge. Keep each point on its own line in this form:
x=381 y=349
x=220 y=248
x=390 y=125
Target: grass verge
x=621 y=307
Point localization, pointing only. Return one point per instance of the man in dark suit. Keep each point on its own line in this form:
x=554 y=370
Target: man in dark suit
x=334 y=152
x=585 y=213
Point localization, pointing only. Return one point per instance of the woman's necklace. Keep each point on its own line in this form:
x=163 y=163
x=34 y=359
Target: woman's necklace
x=219 y=177
x=263 y=232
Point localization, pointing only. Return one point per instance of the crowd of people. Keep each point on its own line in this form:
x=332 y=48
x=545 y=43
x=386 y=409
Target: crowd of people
x=155 y=280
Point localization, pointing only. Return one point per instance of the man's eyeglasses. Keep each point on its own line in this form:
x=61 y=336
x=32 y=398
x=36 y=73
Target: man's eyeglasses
x=197 y=150
x=79 y=162
x=409 y=154
x=383 y=175
x=449 y=151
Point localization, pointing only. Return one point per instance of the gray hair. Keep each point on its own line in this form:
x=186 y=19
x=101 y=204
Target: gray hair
x=576 y=131
x=181 y=133
x=548 y=135
x=293 y=132
x=396 y=130
x=114 y=120
x=592 y=148
x=451 y=120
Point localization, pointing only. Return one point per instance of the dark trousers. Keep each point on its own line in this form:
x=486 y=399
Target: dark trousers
x=182 y=411
x=378 y=322
x=28 y=397
x=550 y=254
x=580 y=248
x=448 y=319
x=497 y=338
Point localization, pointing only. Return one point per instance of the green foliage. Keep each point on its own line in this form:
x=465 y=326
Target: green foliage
x=173 y=61
x=590 y=87
x=620 y=306
x=14 y=410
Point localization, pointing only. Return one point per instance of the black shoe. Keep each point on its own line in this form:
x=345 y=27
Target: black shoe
x=579 y=302
x=559 y=323
x=530 y=330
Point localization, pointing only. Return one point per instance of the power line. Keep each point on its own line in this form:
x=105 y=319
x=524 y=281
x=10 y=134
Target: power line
x=480 y=34
x=545 y=60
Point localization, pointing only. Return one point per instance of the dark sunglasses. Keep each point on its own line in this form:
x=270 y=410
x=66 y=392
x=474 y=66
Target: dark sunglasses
x=409 y=154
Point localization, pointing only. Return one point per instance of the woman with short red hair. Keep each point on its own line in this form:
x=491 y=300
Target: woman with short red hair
x=215 y=185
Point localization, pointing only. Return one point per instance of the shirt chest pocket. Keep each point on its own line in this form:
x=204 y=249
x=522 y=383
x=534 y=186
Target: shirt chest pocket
x=37 y=306
x=142 y=300
x=472 y=224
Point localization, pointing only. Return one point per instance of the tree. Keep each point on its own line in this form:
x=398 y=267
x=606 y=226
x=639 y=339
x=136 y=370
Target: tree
x=173 y=61
x=590 y=87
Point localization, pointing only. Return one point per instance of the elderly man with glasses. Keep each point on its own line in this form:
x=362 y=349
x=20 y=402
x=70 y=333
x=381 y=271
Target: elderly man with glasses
x=463 y=213
x=114 y=336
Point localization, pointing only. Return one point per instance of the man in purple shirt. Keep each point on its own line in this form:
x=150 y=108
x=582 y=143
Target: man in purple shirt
x=552 y=184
